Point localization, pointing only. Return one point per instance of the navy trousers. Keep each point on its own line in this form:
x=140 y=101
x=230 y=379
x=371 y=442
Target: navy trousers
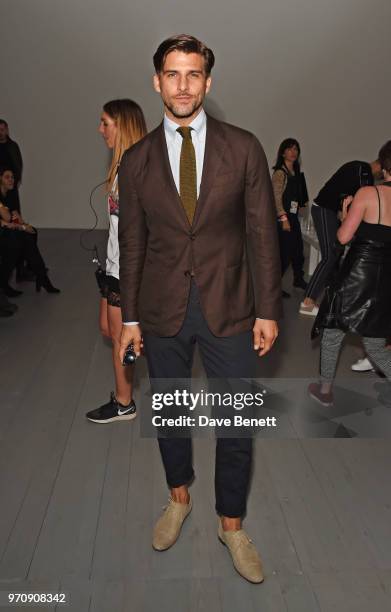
x=223 y=358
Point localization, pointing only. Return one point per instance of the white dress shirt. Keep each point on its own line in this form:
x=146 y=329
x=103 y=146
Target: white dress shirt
x=174 y=145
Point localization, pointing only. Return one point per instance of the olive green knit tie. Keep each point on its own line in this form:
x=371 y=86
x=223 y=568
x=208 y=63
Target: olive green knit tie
x=188 y=174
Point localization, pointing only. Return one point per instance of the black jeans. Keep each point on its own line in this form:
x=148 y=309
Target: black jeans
x=231 y=357
x=291 y=248
x=14 y=245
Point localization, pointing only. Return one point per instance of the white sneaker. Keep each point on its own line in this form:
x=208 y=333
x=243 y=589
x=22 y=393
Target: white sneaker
x=310 y=309
x=363 y=365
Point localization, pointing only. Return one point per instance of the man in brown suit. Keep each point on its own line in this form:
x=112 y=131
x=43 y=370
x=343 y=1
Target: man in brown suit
x=194 y=193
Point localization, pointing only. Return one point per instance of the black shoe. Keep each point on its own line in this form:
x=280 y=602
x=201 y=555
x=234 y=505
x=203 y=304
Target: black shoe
x=112 y=411
x=11 y=292
x=285 y=294
x=300 y=283
x=5 y=313
x=5 y=305
x=46 y=284
x=11 y=308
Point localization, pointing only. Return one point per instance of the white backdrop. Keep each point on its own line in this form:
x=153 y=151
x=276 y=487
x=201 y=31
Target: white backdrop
x=315 y=70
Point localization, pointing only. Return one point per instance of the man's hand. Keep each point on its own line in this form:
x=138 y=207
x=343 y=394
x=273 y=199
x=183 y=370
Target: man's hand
x=130 y=334
x=286 y=226
x=265 y=333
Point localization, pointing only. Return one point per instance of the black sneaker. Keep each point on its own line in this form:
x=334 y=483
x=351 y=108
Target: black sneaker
x=112 y=411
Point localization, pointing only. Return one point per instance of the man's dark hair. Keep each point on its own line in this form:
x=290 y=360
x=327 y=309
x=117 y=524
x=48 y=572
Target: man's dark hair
x=3 y=122
x=385 y=157
x=186 y=44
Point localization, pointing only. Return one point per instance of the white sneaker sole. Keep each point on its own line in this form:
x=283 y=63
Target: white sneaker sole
x=309 y=313
x=124 y=417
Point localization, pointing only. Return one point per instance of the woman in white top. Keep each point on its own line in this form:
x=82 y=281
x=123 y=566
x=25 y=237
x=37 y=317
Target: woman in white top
x=122 y=124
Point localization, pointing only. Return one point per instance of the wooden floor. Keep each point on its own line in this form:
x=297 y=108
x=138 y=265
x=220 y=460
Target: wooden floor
x=78 y=500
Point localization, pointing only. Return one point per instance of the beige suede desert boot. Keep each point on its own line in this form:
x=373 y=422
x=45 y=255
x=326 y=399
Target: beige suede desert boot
x=168 y=526
x=244 y=554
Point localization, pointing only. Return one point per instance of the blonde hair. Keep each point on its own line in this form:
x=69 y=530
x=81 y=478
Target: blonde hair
x=131 y=127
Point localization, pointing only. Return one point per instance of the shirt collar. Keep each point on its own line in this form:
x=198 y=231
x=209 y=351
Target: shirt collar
x=198 y=124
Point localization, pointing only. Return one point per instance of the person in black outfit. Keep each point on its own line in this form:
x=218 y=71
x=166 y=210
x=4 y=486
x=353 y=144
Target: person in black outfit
x=11 y=157
x=346 y=181
x=7 y=309
x=18 y=239
x=290 y=194
x=358 y=299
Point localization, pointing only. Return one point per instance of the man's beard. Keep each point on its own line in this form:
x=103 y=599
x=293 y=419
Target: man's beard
x=183 y=114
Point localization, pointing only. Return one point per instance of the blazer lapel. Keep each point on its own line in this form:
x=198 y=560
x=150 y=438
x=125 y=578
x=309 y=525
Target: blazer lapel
x=214 y=150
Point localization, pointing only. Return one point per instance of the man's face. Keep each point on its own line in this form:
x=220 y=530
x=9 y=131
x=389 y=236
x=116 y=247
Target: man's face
x=3 y=132
x=182 y=84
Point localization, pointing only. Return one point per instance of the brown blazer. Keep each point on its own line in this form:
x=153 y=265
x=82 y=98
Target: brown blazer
x=159 y=248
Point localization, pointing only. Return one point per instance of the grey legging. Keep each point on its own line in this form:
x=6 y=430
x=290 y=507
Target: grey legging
x=331 y=345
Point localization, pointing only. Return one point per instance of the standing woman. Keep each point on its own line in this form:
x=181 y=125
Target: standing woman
x=290 y=194
x=122 y=124
x=359 y=298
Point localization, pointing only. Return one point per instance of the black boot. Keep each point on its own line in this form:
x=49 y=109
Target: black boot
x=44 y=281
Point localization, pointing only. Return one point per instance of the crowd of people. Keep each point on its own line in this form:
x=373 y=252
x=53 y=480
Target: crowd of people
x=19 y=251
x=328 y=211
x=185 y=202
x=122 y=124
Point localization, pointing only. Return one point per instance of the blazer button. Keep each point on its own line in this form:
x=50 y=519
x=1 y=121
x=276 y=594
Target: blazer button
x=187 y=273
x=192 y=236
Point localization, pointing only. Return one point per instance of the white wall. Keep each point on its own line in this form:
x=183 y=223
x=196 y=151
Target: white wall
x=314 y=69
